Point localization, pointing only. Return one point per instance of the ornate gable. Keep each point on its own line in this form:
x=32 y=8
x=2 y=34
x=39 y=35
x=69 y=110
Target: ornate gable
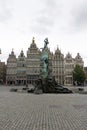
x=11 y=57
x=33 y=51
x=78 y=57
x=33 y=44
x=69 y=58
x=21 y=54
x=78 y=60
x=57 y=52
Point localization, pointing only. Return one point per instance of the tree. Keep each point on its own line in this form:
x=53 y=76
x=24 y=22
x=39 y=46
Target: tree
x=78 y=75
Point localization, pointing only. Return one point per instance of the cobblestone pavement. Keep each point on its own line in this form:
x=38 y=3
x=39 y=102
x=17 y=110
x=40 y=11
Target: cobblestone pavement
x=23 y=111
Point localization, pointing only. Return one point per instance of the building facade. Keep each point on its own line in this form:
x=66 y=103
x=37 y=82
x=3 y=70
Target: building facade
x=11 y=69
x=33 y=63
x=21 y=69
x=69 y=64
x=68 y=69
x=26 y=69
x=2 y=72
x=58 y=66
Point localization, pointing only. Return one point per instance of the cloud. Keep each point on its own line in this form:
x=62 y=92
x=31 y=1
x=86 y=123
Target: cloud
x=45 y=19
x=5 y=10
x=79 y=14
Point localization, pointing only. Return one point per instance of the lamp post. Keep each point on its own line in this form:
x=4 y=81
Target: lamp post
x=0 y=53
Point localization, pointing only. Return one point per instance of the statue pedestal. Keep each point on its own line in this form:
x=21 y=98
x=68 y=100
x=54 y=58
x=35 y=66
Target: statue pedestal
x=38 y=91
x=49 y=85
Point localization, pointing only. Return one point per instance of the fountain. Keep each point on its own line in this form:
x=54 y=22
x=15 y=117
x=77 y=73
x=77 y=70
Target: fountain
x=46 y=83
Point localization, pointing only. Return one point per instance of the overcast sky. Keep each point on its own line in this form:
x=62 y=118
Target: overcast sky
x=64 y=22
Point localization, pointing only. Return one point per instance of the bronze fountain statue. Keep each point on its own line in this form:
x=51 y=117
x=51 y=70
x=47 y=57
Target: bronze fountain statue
x=46 y=83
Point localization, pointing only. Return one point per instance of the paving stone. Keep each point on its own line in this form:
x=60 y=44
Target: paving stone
x=24 y=111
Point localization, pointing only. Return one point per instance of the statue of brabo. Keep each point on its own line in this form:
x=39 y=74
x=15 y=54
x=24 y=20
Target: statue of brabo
x=46 y=83
x=44 y=59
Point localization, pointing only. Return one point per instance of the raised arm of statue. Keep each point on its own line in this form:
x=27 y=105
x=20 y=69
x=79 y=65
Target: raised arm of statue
x=45 y=42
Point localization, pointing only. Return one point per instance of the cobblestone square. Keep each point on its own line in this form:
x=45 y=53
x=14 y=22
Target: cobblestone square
x=24 y=111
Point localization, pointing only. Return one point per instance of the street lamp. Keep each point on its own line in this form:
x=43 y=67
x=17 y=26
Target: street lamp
x=0 y=51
